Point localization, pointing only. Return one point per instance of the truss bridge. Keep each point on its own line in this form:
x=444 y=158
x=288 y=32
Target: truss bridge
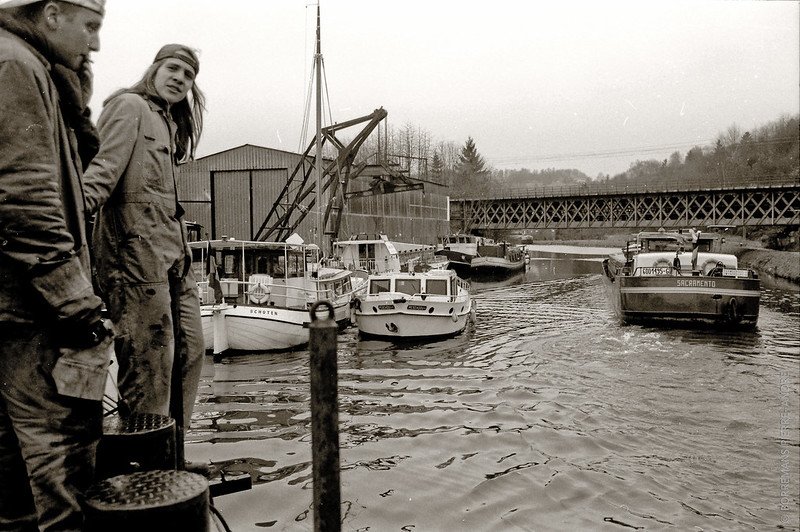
x=776 y=202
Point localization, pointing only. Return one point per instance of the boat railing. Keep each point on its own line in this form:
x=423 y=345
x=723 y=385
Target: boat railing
x=277 y=293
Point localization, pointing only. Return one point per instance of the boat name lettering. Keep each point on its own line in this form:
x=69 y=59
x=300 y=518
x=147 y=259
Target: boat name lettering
x=697 y=282
x=386 y=307
x=416 y=307
x=263 y=311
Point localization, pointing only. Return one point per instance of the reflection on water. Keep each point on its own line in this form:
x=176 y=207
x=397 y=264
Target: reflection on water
x=546 y=415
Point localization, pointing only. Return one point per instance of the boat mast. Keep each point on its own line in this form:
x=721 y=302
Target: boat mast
x=318 y=162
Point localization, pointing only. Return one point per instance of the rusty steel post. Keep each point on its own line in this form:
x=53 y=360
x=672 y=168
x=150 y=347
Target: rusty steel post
x=324 y=419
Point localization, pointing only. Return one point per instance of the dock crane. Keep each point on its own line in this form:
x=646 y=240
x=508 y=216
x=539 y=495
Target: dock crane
x=298 y=196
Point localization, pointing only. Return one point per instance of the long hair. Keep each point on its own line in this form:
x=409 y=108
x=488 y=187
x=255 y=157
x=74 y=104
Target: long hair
x=187 y=113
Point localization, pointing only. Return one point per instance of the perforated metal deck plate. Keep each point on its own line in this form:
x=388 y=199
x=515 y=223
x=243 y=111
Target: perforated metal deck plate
x=135 y=424
x=146 y=489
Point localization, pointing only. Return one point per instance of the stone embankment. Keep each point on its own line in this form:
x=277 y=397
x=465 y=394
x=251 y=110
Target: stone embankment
x=783 y=264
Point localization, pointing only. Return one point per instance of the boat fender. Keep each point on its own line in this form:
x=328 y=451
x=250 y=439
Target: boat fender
x=455 y=317
x=708 y=265
x=733 y=311
x=259 y=294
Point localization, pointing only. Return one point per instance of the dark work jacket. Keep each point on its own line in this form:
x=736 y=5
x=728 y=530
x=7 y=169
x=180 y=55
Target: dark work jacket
x=139 y=233
x=44 y=261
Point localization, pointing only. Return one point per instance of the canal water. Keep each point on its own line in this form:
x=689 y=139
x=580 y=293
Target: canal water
x=547 y=414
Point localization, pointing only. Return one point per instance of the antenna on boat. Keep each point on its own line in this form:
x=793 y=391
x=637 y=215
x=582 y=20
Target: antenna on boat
x=320 y=233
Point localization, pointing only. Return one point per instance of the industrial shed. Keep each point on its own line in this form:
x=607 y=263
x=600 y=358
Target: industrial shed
x=231 y=192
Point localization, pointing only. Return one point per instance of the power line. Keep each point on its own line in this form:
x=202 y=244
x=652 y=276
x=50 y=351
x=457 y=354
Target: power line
x=599 y=154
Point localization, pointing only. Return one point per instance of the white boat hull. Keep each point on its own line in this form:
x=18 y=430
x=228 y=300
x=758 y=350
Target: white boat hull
x=401 y=325
x=265 y=329
x=258 y=328
x=398 y=317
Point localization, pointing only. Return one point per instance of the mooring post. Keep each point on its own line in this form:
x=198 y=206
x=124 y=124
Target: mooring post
x=324 y=419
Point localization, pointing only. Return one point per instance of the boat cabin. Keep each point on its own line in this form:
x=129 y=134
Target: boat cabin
x=671 y=242
x=671 y=253
x=465 y=243
x=441 y=283
x=333 y=283
x=241 y=266
x=377 y=254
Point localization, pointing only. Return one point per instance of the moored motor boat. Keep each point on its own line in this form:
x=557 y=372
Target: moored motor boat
x=460 y=249
x=658 y=280
x=412 y=305
x=470 y=254
x=501 y=257
x=377 y=253
x=259 y=297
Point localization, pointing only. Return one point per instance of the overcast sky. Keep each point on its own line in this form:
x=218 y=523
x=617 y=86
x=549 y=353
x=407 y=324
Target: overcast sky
x=586 y=84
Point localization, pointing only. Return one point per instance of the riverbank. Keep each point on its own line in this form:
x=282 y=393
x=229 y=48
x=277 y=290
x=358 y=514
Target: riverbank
x=781 y=264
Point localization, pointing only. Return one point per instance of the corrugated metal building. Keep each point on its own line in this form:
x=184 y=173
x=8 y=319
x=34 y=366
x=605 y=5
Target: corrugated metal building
x=231 y=192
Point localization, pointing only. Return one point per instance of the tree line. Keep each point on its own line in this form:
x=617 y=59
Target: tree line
x=737 y=157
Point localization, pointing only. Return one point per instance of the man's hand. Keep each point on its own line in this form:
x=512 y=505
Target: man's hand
x=86 y=335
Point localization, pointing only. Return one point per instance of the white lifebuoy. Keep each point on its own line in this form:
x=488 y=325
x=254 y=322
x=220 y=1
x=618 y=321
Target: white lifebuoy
x=708 y=265
x=259 y=294
x=662 y=263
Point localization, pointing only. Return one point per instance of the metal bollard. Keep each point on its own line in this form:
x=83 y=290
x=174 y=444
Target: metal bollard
x=324 y=419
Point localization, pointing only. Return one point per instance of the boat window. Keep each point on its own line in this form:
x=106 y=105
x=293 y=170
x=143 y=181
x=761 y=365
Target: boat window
x=295 y=266
x=366 y=251
x=261 y=265
x=408 y=286
x=661 y=245
x=376 y=286
x=277 y=266
x=436 y=286
x=229 y=265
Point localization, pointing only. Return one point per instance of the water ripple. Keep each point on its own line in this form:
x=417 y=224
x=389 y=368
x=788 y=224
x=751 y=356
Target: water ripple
x=546 y=415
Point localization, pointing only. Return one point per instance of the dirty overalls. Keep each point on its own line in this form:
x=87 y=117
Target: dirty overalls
x=47 y=439
x=142 y=259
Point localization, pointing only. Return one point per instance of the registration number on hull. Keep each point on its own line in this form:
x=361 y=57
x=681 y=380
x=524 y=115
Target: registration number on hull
x=656 y=271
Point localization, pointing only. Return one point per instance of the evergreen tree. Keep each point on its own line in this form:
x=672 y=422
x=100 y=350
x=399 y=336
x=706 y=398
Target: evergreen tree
x=437 y=168
x=471 y=176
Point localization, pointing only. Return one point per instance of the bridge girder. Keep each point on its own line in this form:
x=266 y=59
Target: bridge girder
x=740 y=207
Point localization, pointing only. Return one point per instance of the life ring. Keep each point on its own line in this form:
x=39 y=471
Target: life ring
x=733 y=311
x=259 y=294
x=662 y=263
x=708 y=265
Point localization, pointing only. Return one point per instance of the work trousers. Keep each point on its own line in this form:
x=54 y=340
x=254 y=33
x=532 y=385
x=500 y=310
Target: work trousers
x=47 y=441
x=145 y=345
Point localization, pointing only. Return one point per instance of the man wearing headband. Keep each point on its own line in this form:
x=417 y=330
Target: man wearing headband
x=49 y=314
x=140 y=239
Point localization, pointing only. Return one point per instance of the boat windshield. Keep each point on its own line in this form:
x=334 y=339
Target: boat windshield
x=376 y=286
x=436 y=286
x=408 y=286
x=662 y=244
